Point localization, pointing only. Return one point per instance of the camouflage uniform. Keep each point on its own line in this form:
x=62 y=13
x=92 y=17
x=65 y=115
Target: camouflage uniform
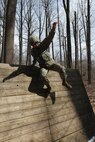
x=46 y=63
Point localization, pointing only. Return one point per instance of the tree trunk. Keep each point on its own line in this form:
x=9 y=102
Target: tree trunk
x=76 y=40
x=88 y=43
x=59 y=33
x=40 y=21
x=69 y=54
x=0 y=44
x=46 y=26
x=28 y=59
x=20 y=33
x=29 y=25
x=3 y=38
x=9 y=31
x=49 y=21
x=80 y=52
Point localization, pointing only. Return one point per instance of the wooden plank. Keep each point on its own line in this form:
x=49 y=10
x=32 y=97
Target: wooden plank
x=26 y=110
x=80 y=135
x=56 y=129
x=5 y=90
x=7 y=135
x=66 y=103
x=16 y=123
x=5 y=73
x=14 y=92
x=25 y=85
x=56 y=111
x=15 y=106
x=11 y=85
x=22 y=77
x=38 y=136
x=77 y=136
x=54 y=118
x=52 y=78
x=63 y=129
x=24 y=91
x=25 y=79
x=20 y=99
x=84 y=117
x=69 y=108
x=61 y=96
x=21 y=106
x=19 y=78
x=21 y=113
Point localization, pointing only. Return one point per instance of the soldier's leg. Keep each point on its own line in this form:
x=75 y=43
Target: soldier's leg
x=46 y=82
x=61 y=70
x=44 y=78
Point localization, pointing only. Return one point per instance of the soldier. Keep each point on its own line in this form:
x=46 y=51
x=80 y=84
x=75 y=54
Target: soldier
x=43 y=57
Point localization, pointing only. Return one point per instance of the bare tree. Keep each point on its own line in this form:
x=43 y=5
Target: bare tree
x=20 y=31
x=29 y=25
x=75 y=31
x=59 y=32
x=9 y=31
x=40 y=20
x=47 y=5
x=80 y=51
x=3 y=4
x=88 y=42
x=29 y=20
x=87 y=31
x=64 y=45
x=19 y=27
x=69 y=54
x=40 y=17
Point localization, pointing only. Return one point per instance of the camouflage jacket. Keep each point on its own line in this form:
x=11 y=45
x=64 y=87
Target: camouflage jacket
x=41 y=54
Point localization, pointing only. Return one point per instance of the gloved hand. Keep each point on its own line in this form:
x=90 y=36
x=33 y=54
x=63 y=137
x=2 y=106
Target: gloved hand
x=54 y=24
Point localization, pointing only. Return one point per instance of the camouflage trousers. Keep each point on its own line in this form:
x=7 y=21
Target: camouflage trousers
x=55 y=67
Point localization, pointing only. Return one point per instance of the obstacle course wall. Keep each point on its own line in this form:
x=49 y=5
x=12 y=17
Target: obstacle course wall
x=27 y=116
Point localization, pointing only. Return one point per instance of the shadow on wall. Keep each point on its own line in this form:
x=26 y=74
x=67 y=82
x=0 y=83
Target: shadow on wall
x=36 y=85
x=81 y=103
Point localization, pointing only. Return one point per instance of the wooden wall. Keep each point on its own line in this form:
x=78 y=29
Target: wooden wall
x=28 y=117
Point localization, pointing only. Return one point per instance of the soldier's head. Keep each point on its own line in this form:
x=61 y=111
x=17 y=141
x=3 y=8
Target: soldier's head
x=34 y=41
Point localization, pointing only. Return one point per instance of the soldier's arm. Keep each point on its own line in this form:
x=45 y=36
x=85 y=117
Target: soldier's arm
x=44 y=45
x=33 y=55
x=34 y=62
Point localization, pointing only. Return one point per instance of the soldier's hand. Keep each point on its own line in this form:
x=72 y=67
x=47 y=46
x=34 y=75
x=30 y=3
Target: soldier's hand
x=54 y=24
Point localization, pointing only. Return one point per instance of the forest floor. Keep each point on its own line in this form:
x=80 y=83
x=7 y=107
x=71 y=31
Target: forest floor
x=91 y=92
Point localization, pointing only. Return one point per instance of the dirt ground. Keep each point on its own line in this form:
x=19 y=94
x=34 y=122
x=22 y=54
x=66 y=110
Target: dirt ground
x=91 y=92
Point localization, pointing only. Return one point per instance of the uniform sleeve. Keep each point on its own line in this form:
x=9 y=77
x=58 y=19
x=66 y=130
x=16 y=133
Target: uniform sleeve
x=44 y=45
x=34 y=55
